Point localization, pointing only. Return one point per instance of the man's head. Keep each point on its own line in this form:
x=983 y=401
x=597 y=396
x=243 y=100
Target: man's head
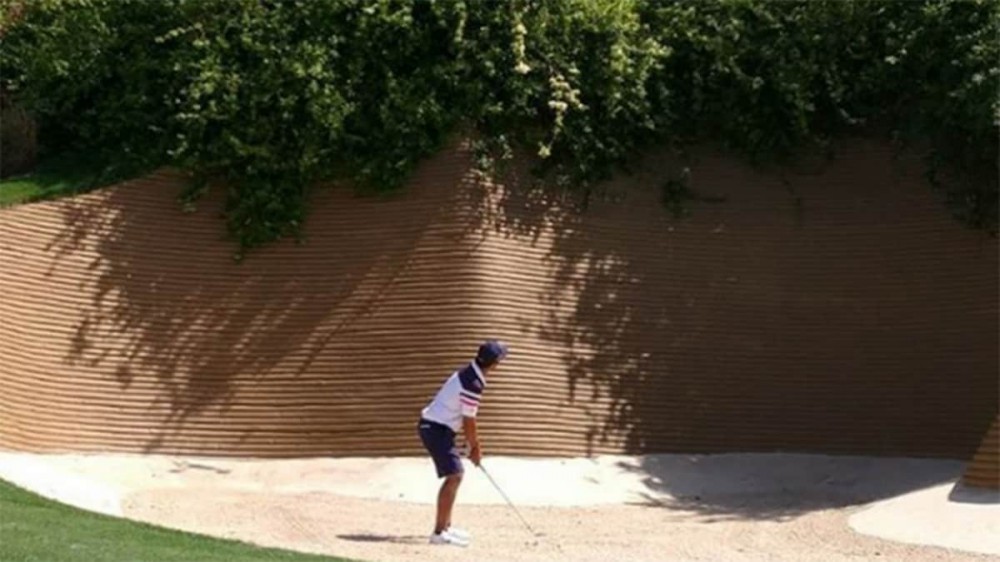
x=490 y=354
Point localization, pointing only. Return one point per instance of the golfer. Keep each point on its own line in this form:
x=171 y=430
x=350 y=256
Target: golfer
x=454 y=409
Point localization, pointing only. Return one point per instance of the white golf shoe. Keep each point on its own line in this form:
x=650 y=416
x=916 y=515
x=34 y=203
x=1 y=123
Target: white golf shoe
x=459 y=533
x=448 y=538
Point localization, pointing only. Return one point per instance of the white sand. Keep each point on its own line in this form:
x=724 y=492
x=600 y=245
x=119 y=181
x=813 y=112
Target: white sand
x=946 y=515
x=661 y=507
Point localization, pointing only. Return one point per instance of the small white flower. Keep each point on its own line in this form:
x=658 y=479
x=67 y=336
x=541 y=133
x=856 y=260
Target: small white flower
x=522 y=68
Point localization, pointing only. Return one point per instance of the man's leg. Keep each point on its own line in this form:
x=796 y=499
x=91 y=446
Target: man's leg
x=446 y=501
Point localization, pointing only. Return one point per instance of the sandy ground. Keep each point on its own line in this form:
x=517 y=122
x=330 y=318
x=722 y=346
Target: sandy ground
x=945 y=515
x=663 y=508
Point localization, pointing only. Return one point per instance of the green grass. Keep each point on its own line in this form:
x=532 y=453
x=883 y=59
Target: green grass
x=33 y=528
x=57 y=176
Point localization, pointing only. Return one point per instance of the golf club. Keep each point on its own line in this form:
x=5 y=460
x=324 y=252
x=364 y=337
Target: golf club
x=510 y=503
x=527 y=526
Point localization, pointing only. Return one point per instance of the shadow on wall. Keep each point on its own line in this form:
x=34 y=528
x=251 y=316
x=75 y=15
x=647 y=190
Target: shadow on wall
x=826 y=312
x=186 y=319
x=839 y=312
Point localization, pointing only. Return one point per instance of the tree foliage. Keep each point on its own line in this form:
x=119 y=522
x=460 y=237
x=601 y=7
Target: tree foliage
x=274 y=95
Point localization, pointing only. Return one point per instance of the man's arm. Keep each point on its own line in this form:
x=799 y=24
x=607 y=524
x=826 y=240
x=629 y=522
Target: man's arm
x=471 y=394
x=472 y=438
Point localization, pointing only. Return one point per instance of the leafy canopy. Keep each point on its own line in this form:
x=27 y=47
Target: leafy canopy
x=275 y=95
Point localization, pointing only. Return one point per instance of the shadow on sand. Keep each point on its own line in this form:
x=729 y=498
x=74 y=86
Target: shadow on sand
x=393 y=539
x=779 y=487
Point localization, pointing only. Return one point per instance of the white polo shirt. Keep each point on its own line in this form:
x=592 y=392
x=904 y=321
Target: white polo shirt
x=459 y=397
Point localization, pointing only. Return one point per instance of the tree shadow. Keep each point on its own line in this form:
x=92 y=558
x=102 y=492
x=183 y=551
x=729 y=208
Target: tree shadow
x=781 y=487
x=841 y=312
x=200 y=339
x=795 y=312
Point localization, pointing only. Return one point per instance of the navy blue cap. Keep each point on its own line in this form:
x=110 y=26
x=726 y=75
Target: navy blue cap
x=491 y=351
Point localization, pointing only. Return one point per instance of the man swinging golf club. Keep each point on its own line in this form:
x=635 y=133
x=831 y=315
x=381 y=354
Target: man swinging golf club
x=454 y=409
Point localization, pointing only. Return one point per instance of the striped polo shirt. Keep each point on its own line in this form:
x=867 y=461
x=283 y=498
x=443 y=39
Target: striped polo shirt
x=459 y=397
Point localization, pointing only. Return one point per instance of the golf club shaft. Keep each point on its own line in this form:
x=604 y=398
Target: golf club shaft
x=510 y=503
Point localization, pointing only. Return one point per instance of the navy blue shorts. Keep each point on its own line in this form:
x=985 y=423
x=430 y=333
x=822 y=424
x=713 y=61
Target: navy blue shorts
x=439 y=440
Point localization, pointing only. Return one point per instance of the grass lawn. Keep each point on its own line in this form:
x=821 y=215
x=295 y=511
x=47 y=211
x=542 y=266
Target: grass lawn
x=33 y=528
x=57 y=176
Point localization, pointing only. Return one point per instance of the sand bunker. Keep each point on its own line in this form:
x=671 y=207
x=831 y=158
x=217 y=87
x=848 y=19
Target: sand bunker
x=660 y=507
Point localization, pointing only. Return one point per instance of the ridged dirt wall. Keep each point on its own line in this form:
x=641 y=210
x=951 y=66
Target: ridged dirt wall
x=984 y=469
x=837 y=309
